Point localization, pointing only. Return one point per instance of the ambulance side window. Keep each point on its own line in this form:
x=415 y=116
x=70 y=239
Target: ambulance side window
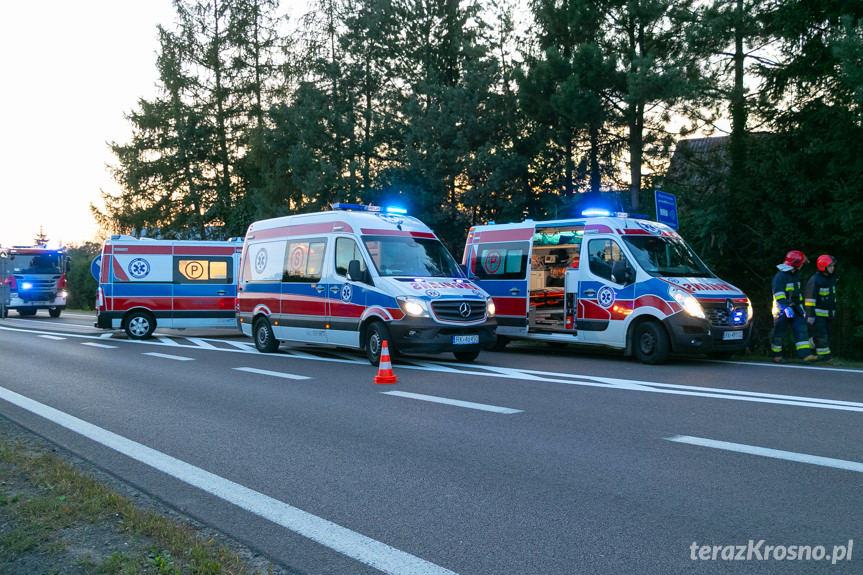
x=347 y=250
x=500 y=261
x=203 y=270
x=304 y=261
x=603 y=255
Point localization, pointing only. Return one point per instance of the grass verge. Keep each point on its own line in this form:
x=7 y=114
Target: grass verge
x=55 y=519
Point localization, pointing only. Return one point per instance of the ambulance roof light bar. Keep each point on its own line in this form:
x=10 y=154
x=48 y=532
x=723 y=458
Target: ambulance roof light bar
x=362 y=208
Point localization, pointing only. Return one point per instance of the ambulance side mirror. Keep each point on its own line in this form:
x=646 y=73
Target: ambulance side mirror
x=621 y=273
x=67 y=265
x=466 y=273
x=356 y=273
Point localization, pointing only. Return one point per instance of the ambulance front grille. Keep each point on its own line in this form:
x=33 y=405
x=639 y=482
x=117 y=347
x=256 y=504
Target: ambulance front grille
x=465 y=311
x=720 y=315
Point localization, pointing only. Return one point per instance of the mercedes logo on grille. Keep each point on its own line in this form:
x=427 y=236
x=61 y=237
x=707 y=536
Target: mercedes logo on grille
x=464 y=309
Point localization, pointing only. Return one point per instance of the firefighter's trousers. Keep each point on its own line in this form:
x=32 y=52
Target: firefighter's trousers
x=801 y=335
x=820 y=331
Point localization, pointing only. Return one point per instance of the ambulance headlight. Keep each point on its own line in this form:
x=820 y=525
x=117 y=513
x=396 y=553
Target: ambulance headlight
x=63 y=294
x=688 y=302
x=412 y=306
x=749 y=310
x=26 y=285
x=489 y=308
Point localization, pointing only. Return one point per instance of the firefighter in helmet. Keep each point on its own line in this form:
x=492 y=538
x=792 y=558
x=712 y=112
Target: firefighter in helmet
x=821 y=304
x=788 y=308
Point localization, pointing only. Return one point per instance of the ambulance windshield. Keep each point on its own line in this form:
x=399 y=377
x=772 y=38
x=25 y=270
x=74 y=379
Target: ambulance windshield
x=666 y=257
x=411 y=257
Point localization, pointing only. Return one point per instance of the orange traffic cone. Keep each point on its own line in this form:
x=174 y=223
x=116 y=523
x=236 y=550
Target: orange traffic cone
x=385 y=368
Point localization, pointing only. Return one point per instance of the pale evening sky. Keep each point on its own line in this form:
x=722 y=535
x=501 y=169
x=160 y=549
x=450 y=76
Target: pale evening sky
x=70 y=72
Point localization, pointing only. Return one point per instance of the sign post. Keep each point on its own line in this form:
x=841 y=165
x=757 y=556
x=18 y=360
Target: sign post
x=5 y=294
x=666 y=209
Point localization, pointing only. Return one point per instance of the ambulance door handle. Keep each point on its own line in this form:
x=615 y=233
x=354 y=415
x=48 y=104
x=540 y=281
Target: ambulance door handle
x=515 y=291
x=590 y=292
x=221 y=292
x=335 y=289
x=319 y=288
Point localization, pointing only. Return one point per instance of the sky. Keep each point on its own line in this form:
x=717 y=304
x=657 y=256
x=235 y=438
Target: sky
x=71 y=70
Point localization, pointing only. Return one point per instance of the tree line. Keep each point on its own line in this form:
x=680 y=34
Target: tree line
x=469 y=111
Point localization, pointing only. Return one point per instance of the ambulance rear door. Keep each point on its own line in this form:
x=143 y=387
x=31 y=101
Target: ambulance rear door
x=499 y=259
x=205 y=286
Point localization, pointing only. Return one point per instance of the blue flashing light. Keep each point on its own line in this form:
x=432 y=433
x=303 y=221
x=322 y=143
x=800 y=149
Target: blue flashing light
x=26 y=285
x=595 y=212
x=739 y=317
x=354 y=207
x=396 y=210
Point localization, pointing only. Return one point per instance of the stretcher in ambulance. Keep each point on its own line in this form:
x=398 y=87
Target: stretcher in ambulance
x=166 y=283
x=357 y=276
x=617 y=282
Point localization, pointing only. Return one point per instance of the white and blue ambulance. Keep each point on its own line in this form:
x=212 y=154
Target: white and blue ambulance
x=356 y=276
x=146 y=283
x=618 y=282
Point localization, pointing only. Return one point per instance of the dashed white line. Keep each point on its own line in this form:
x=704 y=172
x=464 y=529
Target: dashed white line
x=167 y=356
x=101 y=345
x=364 y=549
x=768 y=452
x=455 y=402
x=271 y=373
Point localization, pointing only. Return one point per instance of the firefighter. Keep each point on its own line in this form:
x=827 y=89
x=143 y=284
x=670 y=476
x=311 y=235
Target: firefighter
x=788 y=308
x=821 y=304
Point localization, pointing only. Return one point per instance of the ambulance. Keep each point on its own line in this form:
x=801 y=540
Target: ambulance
x=146 y=283
x=616 y=281
x=354 y=277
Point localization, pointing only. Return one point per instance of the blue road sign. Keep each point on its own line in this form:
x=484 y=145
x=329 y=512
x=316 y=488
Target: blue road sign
x=666 y=209
x=96 y=266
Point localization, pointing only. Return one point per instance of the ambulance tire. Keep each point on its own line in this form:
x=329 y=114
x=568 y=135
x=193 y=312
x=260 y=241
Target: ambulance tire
x=466 y=356
x=54 y=311
x=650 y=343
x=376 y=334
x=139 y=325
x=265 y=339
x=500 y=343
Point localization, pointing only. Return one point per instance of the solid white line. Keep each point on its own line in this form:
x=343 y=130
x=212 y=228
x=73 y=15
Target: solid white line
x=456 y=402
x=350 y=543
x=102 y=345
x=54 y=337
x=273 y=373
x=767 y=452
x=166 y=356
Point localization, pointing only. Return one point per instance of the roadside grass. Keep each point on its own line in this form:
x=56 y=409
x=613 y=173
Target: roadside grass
x=54 y=519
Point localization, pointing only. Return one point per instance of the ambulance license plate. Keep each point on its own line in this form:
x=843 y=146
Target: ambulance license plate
x=727 y=335
x=465 y=339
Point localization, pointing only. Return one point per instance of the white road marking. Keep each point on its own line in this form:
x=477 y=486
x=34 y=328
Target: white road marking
x=542 y=376
x=350 y=543
x=202 y=343
x=166 y=356
x=165 y=340
x=102 y=345
x=54 y=337
x=455 y=402
x=768 y=452
x=272 y=373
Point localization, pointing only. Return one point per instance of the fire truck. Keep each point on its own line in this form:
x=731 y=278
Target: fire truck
x=34 y=278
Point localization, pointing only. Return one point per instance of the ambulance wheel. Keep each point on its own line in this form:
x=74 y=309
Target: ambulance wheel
x=466 y=356
x=54 y=311
x=26 y=311
x=650 y=343
x=376 y=334
x=140 y=325
x=265 y=339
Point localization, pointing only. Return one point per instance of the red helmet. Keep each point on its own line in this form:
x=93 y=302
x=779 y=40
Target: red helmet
x=824 y=261
x=795 y=259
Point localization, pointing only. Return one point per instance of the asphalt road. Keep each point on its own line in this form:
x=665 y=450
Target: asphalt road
x=531 y=461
